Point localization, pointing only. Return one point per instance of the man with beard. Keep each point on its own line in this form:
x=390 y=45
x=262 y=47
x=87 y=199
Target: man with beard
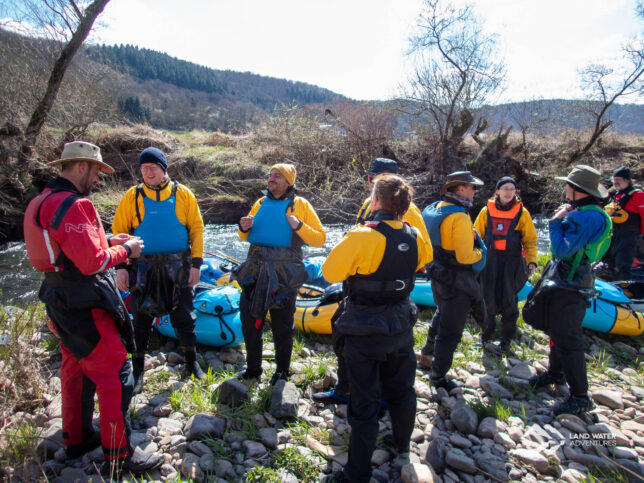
x=277 y=226
x=65 y=239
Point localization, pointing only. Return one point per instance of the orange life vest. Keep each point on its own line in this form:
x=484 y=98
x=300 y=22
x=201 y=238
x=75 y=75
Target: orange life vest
x=501 y=225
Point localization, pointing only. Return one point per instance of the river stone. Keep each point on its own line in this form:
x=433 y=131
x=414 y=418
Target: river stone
x=489 y=427
x=465 y=419
x=55 y=407
x=633 y=466
x=231 y=392
x=522 y=370
x=632 y=426
x=612 y=399
x=284 y=400
x=268 y=437
x=253 y=449
x=622 y=452
x=460 y=461
x=169 y=427
x=416 y=473
x=493 y=388
x=380 y=457
x=637 y=391
x=199 y=448
x=190 y=467
x=572 y=422
x=504 y=440
x=533 y=458
x=224 y=468
x=202 y=425
x=52 y=438
x=492 y=465
x=459 y=441
x=162 y=410
x=434 y=453
x=207 y=463
x=72 y=474
x=572 y=476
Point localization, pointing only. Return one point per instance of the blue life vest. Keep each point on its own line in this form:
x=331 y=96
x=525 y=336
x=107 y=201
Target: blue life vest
x=433 y=217
x=270 y=226
x=160 y=229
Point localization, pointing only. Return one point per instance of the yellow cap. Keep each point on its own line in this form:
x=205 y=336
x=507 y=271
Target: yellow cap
x=287 y=170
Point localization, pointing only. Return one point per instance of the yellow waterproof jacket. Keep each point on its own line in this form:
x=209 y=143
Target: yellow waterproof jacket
x=361 y=250
x=411 y=216
x=457 y=235
x=187 y=210
x=311 y=232
x=525 y=226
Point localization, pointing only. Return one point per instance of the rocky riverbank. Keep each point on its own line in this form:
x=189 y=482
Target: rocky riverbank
x=491 y=428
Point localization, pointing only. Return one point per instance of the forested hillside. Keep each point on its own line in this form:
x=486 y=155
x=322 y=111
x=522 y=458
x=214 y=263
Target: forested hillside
x=242 y=94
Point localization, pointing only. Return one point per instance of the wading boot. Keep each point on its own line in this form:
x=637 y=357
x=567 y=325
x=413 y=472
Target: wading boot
x=192 y=367
x=574 y=405
x=545 y=379
x=428 y=348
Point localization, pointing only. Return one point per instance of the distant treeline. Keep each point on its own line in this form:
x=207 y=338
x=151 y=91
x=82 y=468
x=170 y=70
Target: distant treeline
x=264 y=92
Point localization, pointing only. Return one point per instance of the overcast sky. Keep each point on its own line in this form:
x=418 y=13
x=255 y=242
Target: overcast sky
x=357 y=47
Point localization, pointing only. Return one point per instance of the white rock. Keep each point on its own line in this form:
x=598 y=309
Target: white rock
x=417 y=473
x=532 y=458
x=612 y=399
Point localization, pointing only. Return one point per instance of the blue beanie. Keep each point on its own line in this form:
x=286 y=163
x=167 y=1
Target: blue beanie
x=154 y=156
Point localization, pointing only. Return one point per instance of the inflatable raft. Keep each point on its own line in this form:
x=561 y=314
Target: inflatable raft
x=612 y=312
x=218 y=323
x=422 y=293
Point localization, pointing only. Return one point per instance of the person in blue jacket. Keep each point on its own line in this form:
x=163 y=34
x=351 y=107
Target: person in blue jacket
x=580 y=234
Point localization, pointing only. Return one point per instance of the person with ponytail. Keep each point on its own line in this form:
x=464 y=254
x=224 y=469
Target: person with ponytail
x=377 y=263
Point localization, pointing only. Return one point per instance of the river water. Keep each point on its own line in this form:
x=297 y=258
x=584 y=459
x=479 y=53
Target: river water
x=19 y=282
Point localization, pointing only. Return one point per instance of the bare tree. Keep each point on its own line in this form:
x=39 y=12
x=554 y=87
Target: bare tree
x=605 y=85
x=369 y=128
x=69 y=22
x=529 y=116
x=456 y=70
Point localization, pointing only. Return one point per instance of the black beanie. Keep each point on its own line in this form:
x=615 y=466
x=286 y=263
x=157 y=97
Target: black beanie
x=154 y=156
x=505 y=180
x=623 y=172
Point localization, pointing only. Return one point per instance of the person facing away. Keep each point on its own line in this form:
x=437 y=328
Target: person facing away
x=277 y=226
x=340 y=393
x=626 y=209
x=65 y=239
x=507 y=230
x=459 y=255
x=166 y=216
x=378 y=263
x=579 y=235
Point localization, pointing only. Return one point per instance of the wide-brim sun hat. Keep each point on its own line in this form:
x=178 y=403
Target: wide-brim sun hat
x=460 y=177
x=587 y=179
x=82 y=151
